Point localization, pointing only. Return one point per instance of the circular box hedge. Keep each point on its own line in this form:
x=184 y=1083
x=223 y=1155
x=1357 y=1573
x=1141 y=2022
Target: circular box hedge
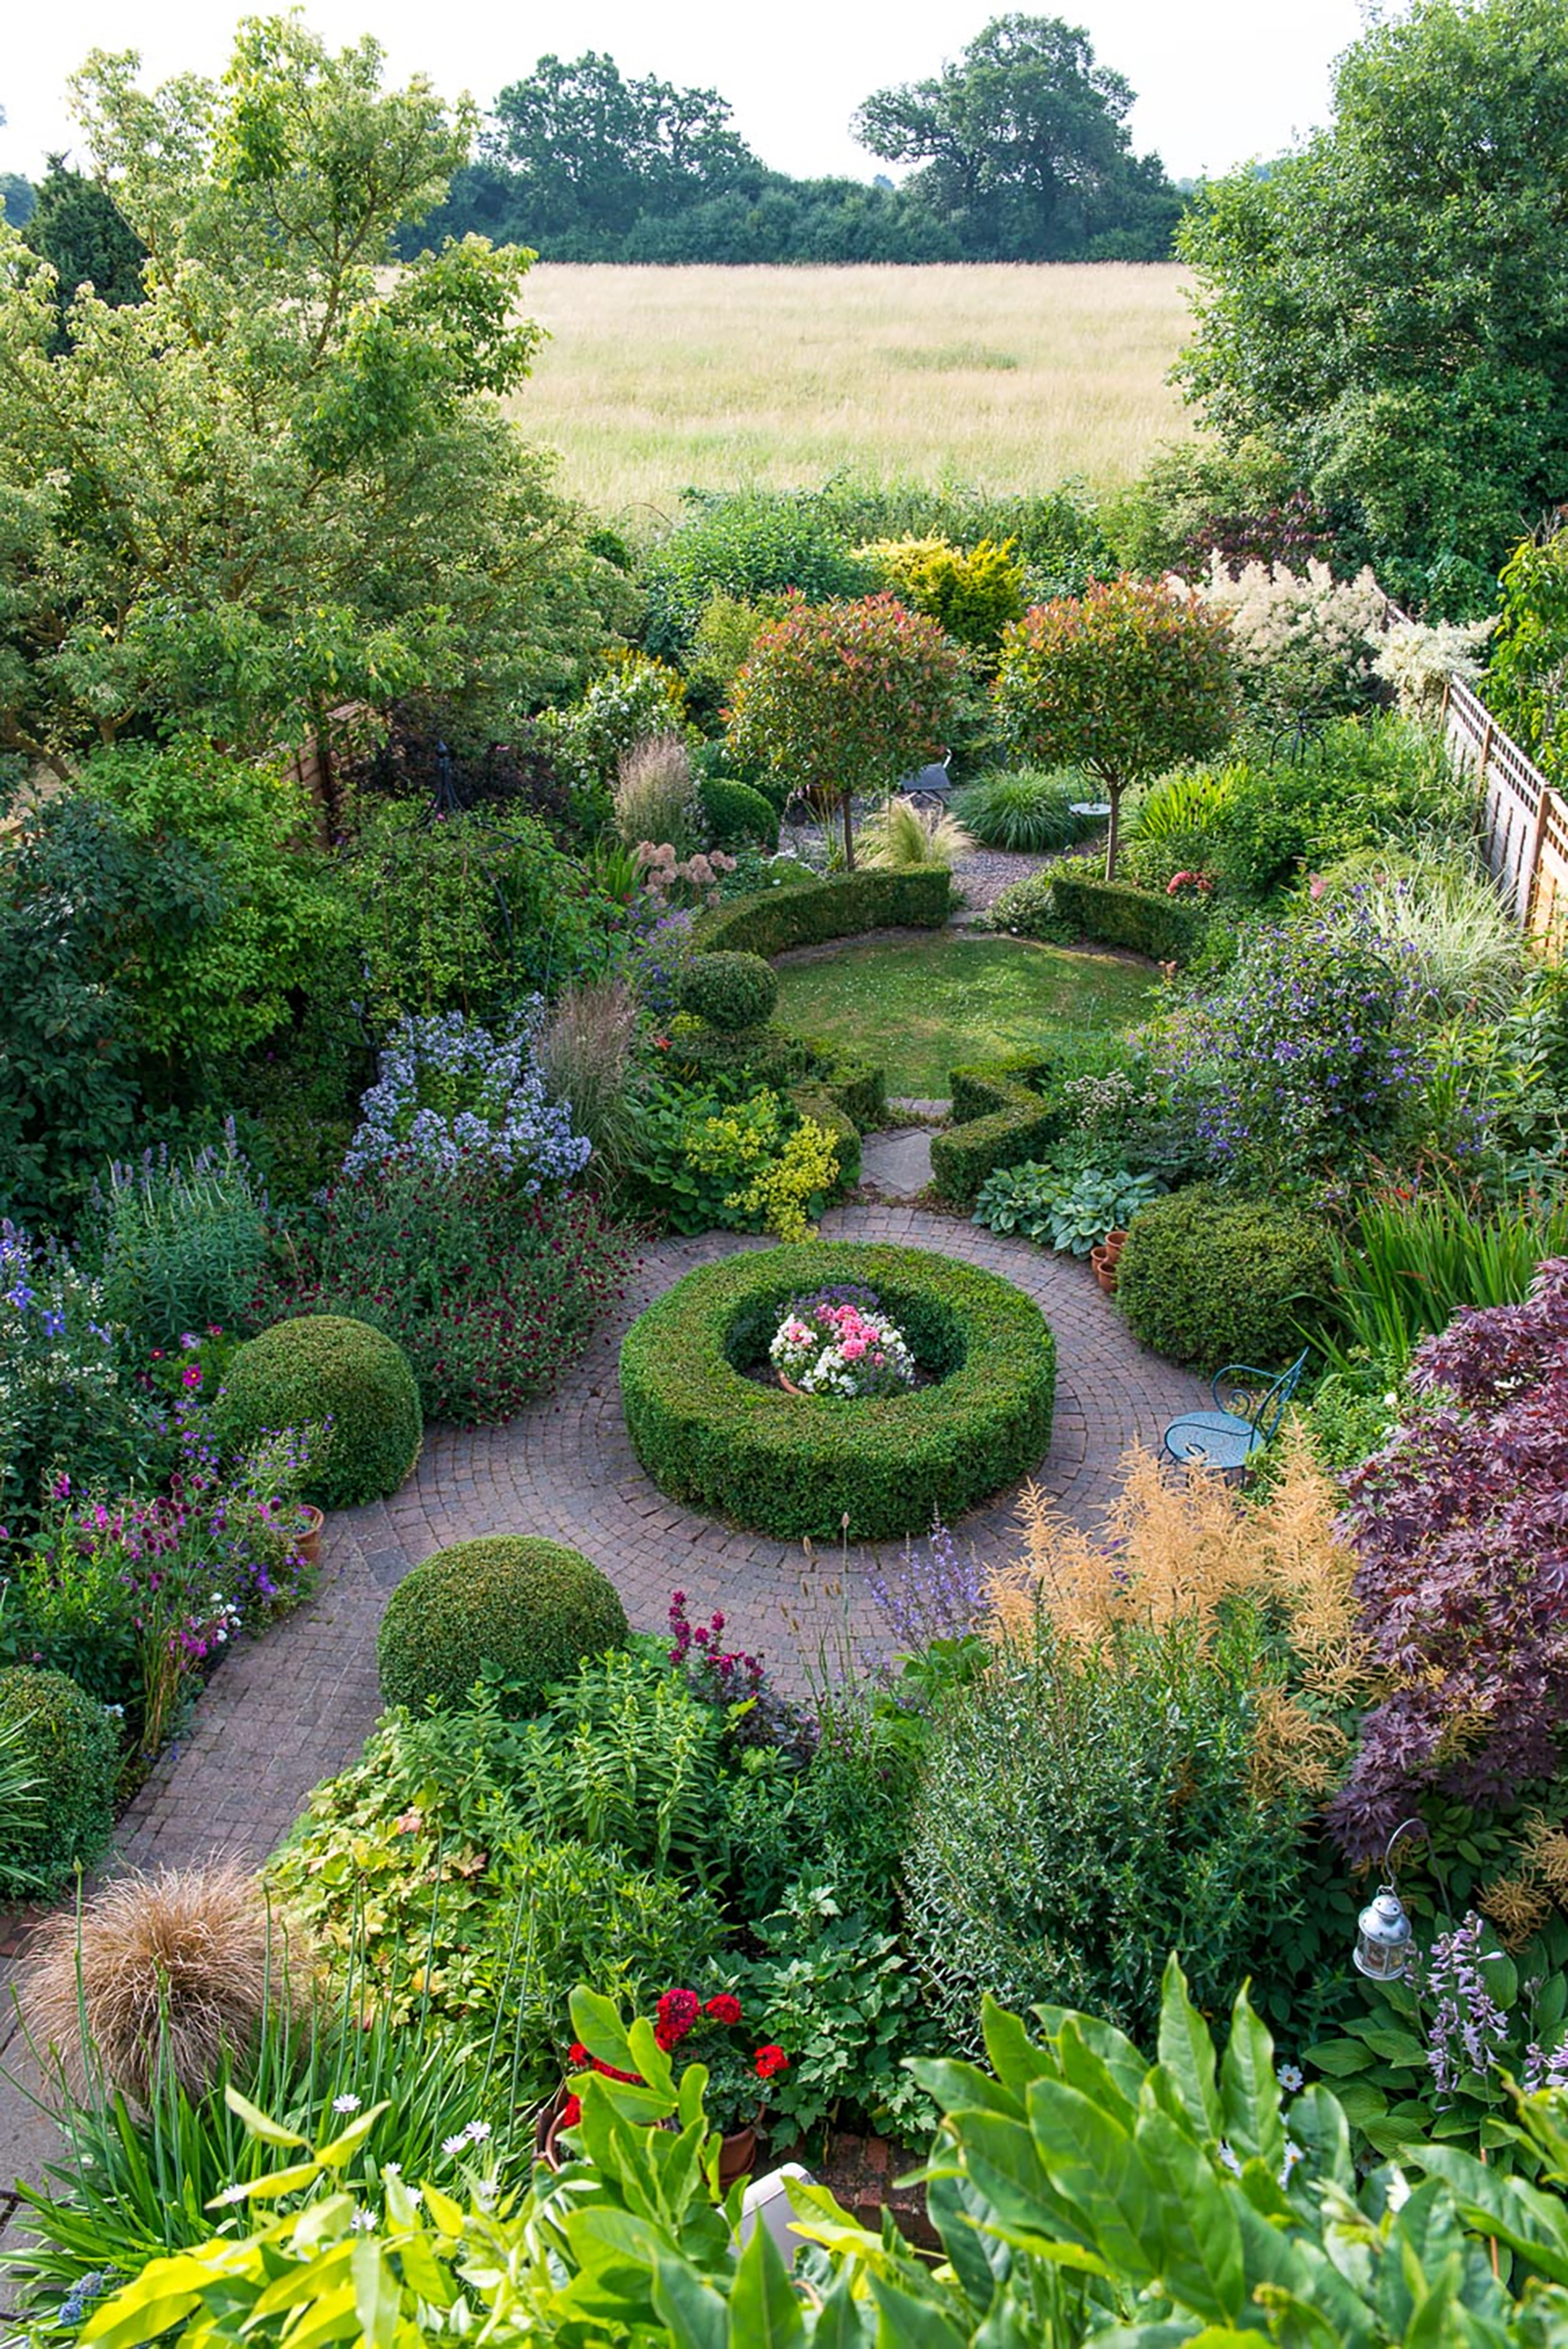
x=793 y=1465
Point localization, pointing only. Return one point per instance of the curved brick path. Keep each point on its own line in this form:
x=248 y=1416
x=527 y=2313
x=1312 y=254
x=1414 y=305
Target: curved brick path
x=288 y=1709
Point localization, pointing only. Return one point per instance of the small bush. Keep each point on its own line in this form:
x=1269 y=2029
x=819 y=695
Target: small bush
x=1029 y=810
x=731 y=991
x=181 y=1242
x=813 y=911
x=1128 y=917
x=322 y=1366
x=161 y=1975
x=1210 y=1279
x=736 y=815
x=69 y=1747
x=528 y=1609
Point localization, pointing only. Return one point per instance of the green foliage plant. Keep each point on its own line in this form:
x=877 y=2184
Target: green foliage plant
x=844 y=699
x=809 y=913
x=731 y=992
x=902 y=838
x=710 y=1436
x=325 y=1370
x=526 y=1611
x=1158 y=926
x=1416 y=1259
x=736 y=816
x=973 y=594
x=180 y=1241
x=1069 y=1206
x=1126 y=680
x=68 y=1748
x=21 y=1802
x=1209 y=1278
x=69 y=1403
x=1446 y=920
x=1232 y=2205
x=1527 y=676
x=1182 y=803
x=749 y=547
x=1027 y=810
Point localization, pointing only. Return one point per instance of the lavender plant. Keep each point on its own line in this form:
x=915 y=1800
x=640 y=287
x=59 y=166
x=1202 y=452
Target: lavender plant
x=453 y=1096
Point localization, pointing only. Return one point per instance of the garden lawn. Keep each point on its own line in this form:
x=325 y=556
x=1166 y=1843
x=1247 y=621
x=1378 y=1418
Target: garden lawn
x=927 y=1007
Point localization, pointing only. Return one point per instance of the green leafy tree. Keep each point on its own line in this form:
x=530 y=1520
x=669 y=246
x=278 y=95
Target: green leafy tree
x=79 y=230
x=837 y=698
x=1385 y=307
x=1527 y=681
x=283 y=479
x=1125 y=680
x=1023 y=146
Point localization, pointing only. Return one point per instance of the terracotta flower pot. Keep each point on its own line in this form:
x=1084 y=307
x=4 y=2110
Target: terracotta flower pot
x=308 y=1541
x=1104 y=1269
x=737 y=2153
x=1115 y=1242
x=789 y=1386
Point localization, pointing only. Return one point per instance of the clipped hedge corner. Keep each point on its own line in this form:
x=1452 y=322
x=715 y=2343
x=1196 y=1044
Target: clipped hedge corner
x=530 y=1609
x=1000 y=1119
x=1119 y=916
x=801 y=1465
x=808 y=914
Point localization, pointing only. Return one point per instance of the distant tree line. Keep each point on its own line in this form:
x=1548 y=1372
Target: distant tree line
x=1021 y=149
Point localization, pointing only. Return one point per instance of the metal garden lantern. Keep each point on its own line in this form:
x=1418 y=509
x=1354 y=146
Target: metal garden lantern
x=1384 y=1939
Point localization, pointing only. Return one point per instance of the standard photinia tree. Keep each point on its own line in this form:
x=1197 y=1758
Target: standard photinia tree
x=845 y=697
x=1123 y=680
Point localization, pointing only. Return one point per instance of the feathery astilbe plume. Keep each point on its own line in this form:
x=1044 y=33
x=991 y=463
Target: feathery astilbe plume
x=1520 y=1904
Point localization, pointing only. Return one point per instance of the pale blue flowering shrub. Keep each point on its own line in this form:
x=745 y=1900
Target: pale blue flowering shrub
x=453 y=1096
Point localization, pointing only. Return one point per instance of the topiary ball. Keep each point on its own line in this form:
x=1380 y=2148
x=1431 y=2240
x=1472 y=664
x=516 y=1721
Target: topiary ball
x=320 y=1366
x=530 y=1610
x=735 y=814
x=63 y=1741
x=1210 y=1279
x=731 y=991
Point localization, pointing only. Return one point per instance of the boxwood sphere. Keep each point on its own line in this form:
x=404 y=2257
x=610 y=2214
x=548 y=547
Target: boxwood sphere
x=69 y=1747
x=793 y=1465
x=530 y=1610
x=321 y=1365
x=1209 y=1278
x=731 y=992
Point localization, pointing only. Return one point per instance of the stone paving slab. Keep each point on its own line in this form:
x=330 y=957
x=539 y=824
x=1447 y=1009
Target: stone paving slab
x=898 y=1163
x=293 y=1706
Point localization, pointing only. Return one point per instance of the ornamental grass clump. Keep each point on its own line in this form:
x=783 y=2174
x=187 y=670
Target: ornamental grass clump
x=453 y=1096
x=161 y=1977
x=656 y=796
x=1458 y=1525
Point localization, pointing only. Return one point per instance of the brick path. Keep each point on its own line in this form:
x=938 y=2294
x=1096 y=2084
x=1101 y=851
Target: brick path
x=291 y=1708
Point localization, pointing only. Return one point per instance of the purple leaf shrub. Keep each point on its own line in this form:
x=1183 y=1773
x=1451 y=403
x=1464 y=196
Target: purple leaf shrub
x=1462 y=1525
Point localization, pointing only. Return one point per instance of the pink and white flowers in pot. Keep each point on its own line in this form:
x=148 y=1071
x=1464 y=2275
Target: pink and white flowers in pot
x=839 y=1341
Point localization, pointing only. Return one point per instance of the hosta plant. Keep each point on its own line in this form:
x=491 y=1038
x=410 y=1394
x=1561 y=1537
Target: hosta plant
x=1069 y=1208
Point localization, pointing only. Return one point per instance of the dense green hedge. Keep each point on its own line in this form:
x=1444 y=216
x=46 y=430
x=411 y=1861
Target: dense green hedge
x=799 y=1465
x=326 y=1366
x=1000 y=1119
x=1209 y=1278
x=808 y=914
x=1128 y=917
x=735 y=814
x=69 y=1747
x=777 y=1057
x=529 y=1609
x=731 y=992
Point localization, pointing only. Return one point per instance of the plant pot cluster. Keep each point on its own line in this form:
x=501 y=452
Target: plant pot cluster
x=1103 y=1259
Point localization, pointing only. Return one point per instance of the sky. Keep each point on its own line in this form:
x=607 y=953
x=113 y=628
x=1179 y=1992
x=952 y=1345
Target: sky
x=1217 y=80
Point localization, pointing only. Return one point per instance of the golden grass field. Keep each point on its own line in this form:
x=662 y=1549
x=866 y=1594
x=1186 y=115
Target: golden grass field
x=1011 y=377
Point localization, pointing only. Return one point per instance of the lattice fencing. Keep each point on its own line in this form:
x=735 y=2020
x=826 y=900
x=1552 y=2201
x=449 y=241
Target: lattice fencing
x=1524 y=821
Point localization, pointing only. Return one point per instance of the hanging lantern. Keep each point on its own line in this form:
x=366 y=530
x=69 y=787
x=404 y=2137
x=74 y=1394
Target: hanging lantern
x=1384 y=1939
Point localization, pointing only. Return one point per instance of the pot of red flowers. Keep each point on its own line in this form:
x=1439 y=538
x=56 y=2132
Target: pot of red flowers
x=740 y=2076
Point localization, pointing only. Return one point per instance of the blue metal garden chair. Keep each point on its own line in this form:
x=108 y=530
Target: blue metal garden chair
x=1249 y=1406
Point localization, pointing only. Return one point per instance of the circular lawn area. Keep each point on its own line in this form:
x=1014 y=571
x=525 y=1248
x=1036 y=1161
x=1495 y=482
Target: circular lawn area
x=924 y=1006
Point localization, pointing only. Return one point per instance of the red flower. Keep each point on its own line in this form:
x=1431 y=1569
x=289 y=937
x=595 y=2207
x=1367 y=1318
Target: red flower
x=768 y=2060
x=667 y=2037
x=571 y=2112
x=677 y=2010
x=577 y=2056
x=726 y=2009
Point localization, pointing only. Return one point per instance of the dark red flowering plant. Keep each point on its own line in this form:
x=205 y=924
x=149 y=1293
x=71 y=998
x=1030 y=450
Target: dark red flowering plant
x=712 y=2033
x=1461 y=1526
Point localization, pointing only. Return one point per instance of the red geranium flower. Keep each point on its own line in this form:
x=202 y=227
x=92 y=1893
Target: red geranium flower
x=768 y=2060
x=677 y=2010
x=726 y=2009
x=577 y=2056
x=571 y=2112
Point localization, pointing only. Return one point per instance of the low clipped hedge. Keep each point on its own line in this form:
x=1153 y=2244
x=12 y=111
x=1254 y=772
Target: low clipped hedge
x=69 y=1747
x=325 y=1365
x=529 y=1609
x=1210 y=1279
x=808 y=914
x=999 y=1118
x=1119 y=916
x=801 y=1465
x=778 y=1057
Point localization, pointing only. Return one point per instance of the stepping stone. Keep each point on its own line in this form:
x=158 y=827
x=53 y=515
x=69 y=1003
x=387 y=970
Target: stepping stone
x=898 y=1164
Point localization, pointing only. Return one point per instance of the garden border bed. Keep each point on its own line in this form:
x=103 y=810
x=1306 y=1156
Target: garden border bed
x=793 y=1467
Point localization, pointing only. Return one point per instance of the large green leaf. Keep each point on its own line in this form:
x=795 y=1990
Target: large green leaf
x=763 y=2311
x=1186 y=2050
x=1494 y=2204
x=1249 y=2093
x=1093 y=2162
x=1199 y=2257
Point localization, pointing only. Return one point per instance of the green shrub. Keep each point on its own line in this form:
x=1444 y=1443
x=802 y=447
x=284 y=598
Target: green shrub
x=731 y=992
x=817 y=1102
x=1027 y=810
x=735 y=814
x=999 y=1118
x=181 y=1242
x=1118 y=916
x=710 y=1436
x=1027 y=909
x=528 y=1609
x=744 y=544
x=1085 y=1811
x=323 y=1366
x=1210 y=1279
x=813 y=911
x=778 y=1058
x=68 y=1749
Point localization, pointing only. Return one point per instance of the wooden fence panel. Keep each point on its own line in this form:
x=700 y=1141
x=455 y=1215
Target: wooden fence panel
x=1523 y=822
